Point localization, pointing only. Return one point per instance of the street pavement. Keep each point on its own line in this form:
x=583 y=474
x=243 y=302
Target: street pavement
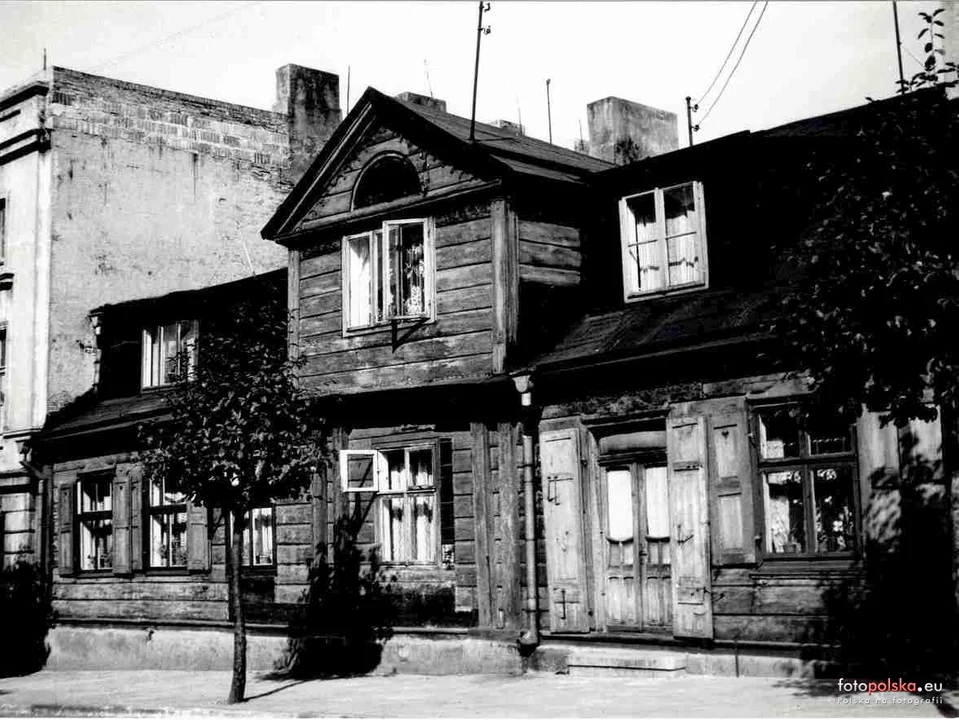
x=177 y=693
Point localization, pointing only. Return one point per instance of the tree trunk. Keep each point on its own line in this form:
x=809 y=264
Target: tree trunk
x=233 y=569
x=949 y=418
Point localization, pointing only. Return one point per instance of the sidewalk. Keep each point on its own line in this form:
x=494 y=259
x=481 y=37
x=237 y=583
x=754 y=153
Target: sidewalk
x=151 y=692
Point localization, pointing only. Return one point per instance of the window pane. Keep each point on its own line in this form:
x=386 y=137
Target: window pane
x=684 y=262
x=151 y=357
x=168 y=539
x=360 y=473
x=645 y=250
x=833 y=489
x=391 y=529
x=187 y=348
x=261 y=528
x=169 y=352
x=163 y=492
x=95 y=495
x=828 y=435
x=619 y=505
x=657 y=502
x=421 y=535
x=421 y=468
x=680 y=209
x=96 y=544
x=384 y=293
x=785 y=513
x=409 y=279
x=396 y=468
x=360 y=281
x=779 y=433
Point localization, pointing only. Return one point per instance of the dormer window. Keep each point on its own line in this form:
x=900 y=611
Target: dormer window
x=387 y=274
x=169 y=353
x=385 y=178
x=664 y=241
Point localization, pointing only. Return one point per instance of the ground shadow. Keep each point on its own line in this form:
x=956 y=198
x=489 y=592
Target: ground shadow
x=347 y=613
x=893 y=618
x=274 y=691
x=26 y=616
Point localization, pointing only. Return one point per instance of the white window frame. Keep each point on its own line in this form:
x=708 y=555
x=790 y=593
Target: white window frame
x=146 y=345
x=627 y=230
x=4 y=226
x=381 y=317
x=381 y=490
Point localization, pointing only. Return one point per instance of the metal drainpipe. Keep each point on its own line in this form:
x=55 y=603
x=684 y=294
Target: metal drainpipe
x=529 y=639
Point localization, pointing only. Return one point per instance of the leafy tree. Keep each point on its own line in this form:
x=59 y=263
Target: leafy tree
x=240 y=434
x=873 y=312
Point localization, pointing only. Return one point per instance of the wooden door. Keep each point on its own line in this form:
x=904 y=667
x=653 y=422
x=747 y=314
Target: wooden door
x=563 y=518
x=636 y=547
x=689 y=544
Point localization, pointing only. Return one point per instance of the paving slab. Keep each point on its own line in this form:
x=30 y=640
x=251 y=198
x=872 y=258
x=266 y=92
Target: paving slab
x=202 y=694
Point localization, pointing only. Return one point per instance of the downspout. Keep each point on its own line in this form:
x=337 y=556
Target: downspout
x=529 y=638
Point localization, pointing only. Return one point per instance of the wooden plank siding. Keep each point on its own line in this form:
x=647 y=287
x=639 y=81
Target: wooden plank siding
x=456 y=346
x=549 y=253
x=162 y=595
x=450 y=593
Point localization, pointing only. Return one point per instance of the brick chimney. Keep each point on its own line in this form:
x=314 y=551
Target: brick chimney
x=310 y=99
x=622 y=131
x=417 y=99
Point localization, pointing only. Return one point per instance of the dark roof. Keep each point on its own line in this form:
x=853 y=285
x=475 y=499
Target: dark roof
x=651 y=327
x=91 y=414
x=495 y=153
x=241 y=288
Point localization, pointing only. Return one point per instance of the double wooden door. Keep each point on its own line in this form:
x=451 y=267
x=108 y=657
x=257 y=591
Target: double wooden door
x=636 y=545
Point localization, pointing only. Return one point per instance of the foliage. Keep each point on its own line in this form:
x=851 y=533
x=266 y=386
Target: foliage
x=873 y=316
x=348 y=611
x=240 y=433
x=27 y=616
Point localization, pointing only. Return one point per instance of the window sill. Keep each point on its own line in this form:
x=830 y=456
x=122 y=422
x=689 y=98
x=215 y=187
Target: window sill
x=388 y=326
x=91 y=574
x=668 y=292
x=175 y=571
x=258 y=570
x=807 y=566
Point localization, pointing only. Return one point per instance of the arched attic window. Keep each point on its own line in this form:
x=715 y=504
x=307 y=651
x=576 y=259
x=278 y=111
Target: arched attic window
x=388 y=177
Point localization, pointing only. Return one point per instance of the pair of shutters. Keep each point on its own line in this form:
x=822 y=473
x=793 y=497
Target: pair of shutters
x=129 y=503
x=692 y=535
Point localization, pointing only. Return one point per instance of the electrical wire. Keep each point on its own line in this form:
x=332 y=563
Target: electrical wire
x=177 y=34
x=741 y=55
x=730 y=53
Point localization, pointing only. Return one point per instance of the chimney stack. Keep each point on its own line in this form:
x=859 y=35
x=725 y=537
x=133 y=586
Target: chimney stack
x=622 y=131
x=510 y=126
x=417 y=99
x=310 y=99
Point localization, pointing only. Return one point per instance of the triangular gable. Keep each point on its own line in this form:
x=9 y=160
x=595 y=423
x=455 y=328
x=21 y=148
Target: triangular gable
x=377 y=124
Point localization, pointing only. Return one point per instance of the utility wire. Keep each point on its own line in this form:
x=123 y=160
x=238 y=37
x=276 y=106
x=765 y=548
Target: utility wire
x=177 y=34
x=741 y=55
x=730 y=53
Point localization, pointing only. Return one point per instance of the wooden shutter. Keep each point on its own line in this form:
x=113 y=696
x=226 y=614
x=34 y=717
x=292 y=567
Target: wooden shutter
x=67 y=509
x=447 y=523
x=122 y=551
x=135 y=474
x=730 y=490
x=197 y=538
x=689 y=534
x=563 y=517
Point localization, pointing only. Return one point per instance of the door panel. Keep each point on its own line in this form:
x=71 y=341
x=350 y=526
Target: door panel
x=686 y=456
x=657 y=588
x=562 y=514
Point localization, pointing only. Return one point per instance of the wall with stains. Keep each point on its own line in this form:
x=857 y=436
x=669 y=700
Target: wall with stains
x=153 y=191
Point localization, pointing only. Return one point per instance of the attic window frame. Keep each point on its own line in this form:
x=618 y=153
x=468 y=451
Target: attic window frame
x=372 y=165
x=378 y=238
x=626 y=218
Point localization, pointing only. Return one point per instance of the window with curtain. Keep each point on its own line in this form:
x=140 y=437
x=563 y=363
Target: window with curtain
x=259 y=538
x=167 y=525
x=663 y=236
x=808 y=476
x=95 y=522
x=386 y=274
x=169 y=352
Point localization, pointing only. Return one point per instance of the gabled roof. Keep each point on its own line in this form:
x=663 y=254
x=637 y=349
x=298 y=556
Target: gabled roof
x=496 y=153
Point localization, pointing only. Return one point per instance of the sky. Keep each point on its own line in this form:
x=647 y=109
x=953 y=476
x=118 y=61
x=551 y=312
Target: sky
x=804 y=58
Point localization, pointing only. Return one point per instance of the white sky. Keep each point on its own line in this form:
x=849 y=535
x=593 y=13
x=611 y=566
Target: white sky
x=806 y=58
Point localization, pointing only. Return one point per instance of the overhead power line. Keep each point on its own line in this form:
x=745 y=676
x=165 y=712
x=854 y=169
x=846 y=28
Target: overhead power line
x=739 y=60
x=175 y=35
x=730 y=53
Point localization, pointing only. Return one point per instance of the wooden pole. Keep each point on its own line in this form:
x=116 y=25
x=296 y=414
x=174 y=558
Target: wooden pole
x=549 y=113
x=902 y=77
x=479 y=38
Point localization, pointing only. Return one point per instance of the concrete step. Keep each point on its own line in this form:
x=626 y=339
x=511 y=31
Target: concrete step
x=634 y=662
